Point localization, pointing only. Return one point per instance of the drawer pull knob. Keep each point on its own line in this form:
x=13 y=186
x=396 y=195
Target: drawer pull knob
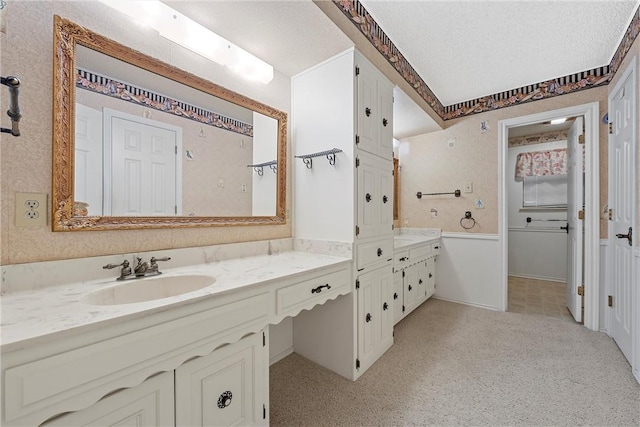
x=420 y=282
x=319 y=289
x=225 y=399
x=404 y=258
x=368 y=318
x=379 y=252
x=430 y=275
x=385 y=199
x=367 y=111
x=385 y=122
x=367 y=197
x=385 y=306
x=395 y=295
x=436 y=247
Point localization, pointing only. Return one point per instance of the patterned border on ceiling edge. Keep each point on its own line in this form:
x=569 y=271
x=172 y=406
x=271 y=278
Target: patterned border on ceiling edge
x=359 y=16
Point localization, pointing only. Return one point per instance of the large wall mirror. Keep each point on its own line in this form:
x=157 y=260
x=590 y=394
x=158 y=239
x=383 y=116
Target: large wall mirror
x=139 y=143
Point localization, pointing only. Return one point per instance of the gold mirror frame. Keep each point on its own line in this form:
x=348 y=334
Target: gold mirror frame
x=66 y=36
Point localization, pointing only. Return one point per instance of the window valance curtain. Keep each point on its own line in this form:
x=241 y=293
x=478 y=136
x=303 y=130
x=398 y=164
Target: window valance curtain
x=541 y=163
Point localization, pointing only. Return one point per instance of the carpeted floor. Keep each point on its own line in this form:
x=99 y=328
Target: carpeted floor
x=453 y=364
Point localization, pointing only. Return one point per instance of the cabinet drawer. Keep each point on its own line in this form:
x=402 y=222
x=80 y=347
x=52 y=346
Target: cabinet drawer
x=420 y=252
x=435 y=248
x=400 y=260
x=371 y=252
x=311 y=292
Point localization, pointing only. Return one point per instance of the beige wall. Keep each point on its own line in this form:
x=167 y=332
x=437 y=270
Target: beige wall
x=632 y=55
x=25 y=162
x=429 y=165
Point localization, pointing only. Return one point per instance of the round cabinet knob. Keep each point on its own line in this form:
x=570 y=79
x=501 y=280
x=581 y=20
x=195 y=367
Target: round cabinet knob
x=367 y=111
x=225 y=399
x=368 y=318
x=385 y=199
x=379 y=252
x=385 y=122
x=367 y=197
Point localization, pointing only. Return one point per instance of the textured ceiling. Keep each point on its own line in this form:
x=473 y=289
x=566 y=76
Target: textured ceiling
x=469 y=49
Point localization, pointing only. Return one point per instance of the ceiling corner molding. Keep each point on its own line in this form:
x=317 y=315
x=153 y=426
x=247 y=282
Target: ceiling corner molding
x=564 y=85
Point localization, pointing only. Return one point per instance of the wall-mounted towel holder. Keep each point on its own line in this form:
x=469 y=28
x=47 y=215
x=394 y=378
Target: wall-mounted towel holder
x=307 y=159
x=13 y=83
x=259 y=167
x=419 y=194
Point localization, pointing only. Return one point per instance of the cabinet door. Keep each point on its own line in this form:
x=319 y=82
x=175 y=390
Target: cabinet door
x=368 y=197
x=375 y=325
x=367 y=109
x=385 y=98
x=374 y=196
x=226 y=387
x=423 y=274
x=431 y=276
x=398 y=300
x=148 y=404
x=411 y=292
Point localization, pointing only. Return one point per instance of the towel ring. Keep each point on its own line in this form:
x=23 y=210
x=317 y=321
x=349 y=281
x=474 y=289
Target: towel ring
x=467 y=216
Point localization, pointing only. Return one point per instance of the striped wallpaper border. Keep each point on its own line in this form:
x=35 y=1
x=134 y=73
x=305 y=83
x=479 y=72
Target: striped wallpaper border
x=564 y=85
x=104 y=85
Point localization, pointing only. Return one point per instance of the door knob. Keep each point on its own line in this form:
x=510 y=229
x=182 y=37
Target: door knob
x=385 y=199
x=385 y=122
x=368 y=317
x=410 y=287
x=225 y=399
x=367 y=111
x=395 y=295
x=379 y=252
x=367 y=197
x=627 y=236
x=385 y=306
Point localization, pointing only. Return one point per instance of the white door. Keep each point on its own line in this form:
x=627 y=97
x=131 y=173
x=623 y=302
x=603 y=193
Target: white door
x=622 y=113
x=88 y=158
x=575 y=203
x=142 y=166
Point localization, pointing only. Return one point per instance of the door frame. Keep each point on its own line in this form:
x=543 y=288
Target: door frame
x=591 y=224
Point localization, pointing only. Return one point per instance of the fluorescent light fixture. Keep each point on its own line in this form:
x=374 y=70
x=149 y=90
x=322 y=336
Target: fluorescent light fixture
x=558 y=121
x=184 y=31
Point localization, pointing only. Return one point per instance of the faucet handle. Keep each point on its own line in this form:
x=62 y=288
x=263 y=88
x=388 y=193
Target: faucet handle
x=154 y=259
x=110 y=266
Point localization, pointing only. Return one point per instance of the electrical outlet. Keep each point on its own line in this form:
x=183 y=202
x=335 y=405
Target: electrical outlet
x=468 y=187
x=31 y=209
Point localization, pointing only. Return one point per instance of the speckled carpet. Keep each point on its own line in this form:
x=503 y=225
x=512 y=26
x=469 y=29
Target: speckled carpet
x=453 y=364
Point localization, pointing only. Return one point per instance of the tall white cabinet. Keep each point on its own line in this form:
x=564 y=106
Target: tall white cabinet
x=347 y=104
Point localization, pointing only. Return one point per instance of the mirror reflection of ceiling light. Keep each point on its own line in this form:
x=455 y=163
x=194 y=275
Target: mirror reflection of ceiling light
x=184 y=31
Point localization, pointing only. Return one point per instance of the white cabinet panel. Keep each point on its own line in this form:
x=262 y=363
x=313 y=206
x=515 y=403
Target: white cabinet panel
x=375 y=323
x=226 y=387
x=374 y=196
x=149 y=404
x=398 y=299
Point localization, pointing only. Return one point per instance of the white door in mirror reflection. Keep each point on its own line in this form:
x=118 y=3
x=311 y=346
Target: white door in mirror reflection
x=143 y=170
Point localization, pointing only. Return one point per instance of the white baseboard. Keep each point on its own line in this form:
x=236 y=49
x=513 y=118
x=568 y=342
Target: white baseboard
x=548 y=279
x=488 y=307
x=278 y=357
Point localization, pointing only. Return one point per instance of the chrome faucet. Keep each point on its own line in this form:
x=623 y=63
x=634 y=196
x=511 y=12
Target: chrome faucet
x=142 y=269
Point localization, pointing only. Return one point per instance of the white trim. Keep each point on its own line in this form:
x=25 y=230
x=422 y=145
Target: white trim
x=548 y=279
x=476 y=236
x=605 y=283
x=592 y=203
x=278 y=357
x=488 y=307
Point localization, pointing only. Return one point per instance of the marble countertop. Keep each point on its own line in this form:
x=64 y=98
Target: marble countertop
x=404 y=238
x=41 y=315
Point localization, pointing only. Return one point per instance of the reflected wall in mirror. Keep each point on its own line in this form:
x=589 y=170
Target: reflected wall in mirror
x=141 y=144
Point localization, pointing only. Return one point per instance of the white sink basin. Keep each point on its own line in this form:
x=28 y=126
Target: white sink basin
x=140 y=290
